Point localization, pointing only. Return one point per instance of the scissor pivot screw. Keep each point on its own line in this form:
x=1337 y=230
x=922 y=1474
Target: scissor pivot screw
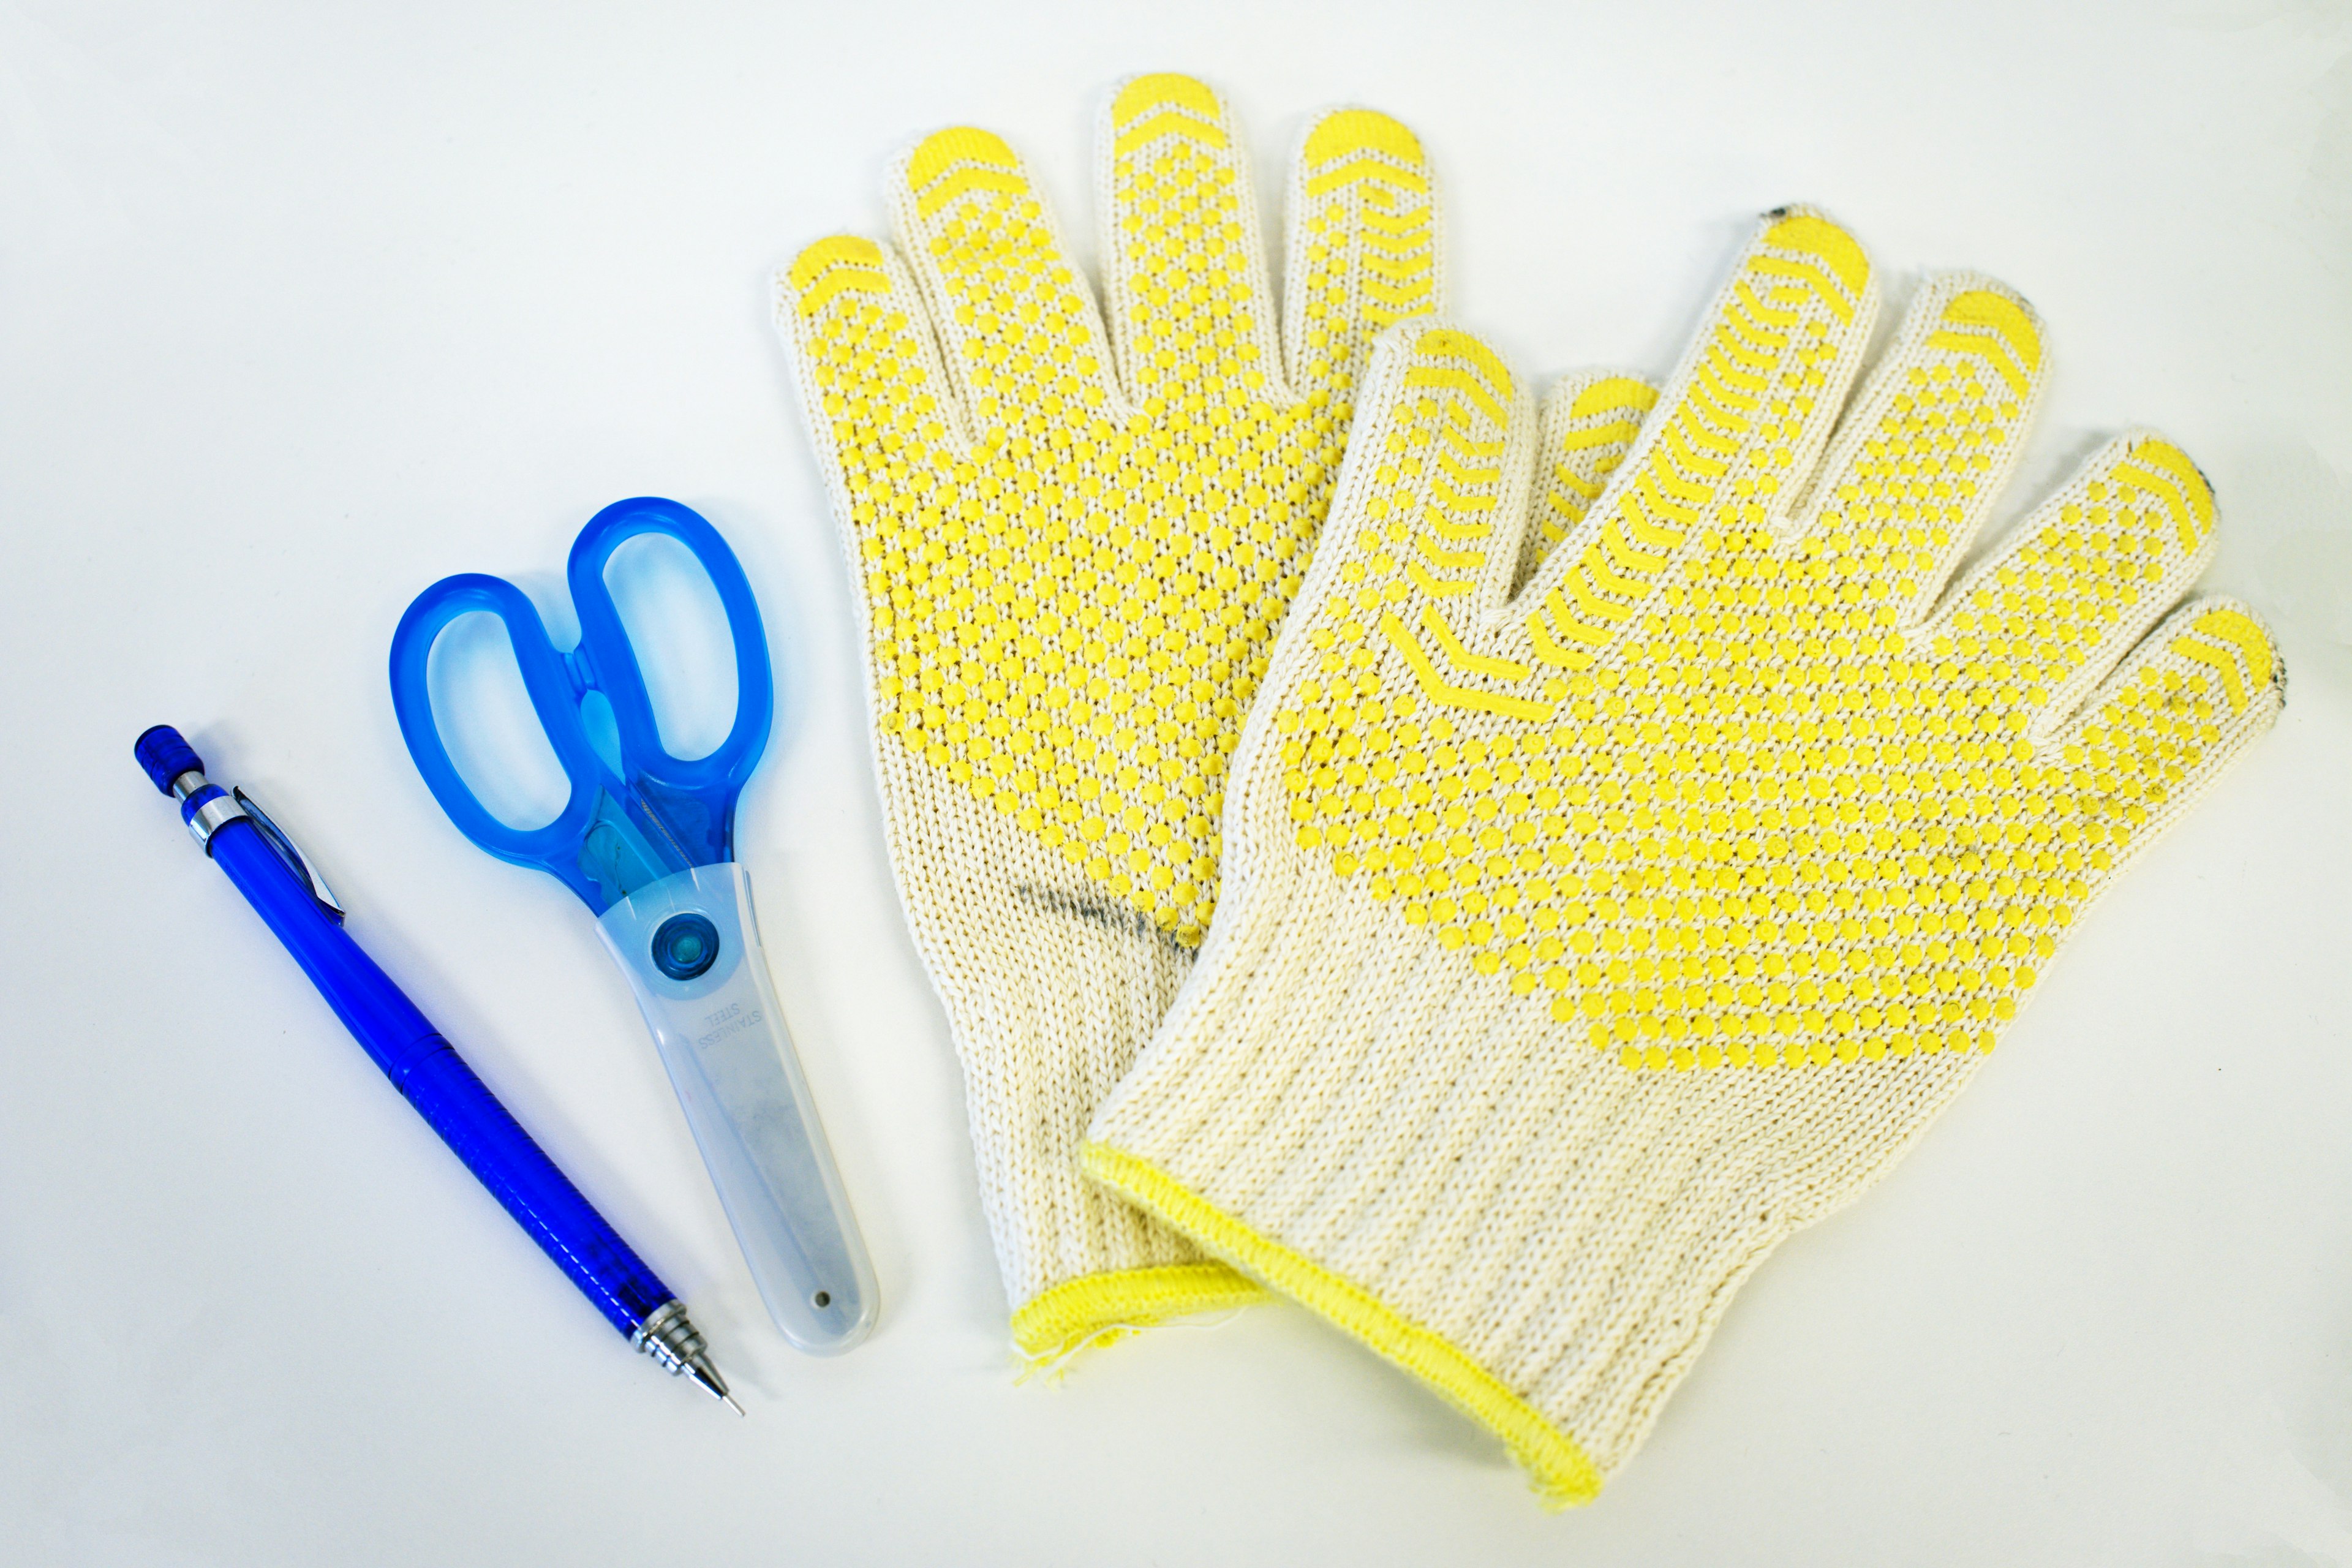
x=685 y=946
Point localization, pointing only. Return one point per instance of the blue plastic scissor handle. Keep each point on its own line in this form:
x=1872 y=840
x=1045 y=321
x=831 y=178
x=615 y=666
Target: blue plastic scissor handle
x=615 y=832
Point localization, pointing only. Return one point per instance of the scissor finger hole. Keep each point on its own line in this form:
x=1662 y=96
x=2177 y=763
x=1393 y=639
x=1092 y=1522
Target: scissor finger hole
x=487 y=725
x=678 y=627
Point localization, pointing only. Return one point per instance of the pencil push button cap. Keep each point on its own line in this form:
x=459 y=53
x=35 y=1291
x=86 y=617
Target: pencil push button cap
x=685 y=946
x=165 y=755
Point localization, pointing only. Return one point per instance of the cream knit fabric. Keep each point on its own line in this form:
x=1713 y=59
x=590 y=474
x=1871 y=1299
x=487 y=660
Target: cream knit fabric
x=1580 y=944
x=1073 y=540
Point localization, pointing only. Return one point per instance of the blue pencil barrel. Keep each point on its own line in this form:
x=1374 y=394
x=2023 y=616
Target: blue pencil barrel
x=438 y=1083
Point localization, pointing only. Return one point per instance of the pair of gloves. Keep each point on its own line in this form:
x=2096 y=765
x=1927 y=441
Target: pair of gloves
x=1487 y=869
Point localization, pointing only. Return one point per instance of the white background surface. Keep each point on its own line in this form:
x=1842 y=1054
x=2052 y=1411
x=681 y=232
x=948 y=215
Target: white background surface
x=303 y=307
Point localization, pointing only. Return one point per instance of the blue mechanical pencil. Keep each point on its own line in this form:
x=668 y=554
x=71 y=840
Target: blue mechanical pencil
x=296 y=905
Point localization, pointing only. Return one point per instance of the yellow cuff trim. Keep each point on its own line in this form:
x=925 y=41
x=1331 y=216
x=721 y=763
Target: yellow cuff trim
x=1561 y=1474
x=1096 y=1309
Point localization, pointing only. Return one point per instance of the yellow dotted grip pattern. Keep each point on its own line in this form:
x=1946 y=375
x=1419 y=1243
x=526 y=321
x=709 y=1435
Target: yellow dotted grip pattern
x=1074 y=578
x=1712 y=792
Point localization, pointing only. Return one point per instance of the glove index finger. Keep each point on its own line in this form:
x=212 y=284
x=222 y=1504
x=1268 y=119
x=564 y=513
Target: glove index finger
x=1364 y=244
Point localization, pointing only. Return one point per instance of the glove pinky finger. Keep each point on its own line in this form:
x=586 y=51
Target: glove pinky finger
x=2189 y=700
x=849 y=310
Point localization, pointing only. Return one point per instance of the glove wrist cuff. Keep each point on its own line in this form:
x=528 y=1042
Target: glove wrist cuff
x=1099 y=1308
x=1405 y=1147
x=1051 y=988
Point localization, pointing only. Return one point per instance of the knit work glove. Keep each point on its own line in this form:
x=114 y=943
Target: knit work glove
x=1579 y=945
x=1072 y=547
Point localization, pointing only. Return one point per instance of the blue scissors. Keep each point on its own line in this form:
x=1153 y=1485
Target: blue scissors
x=650 y=849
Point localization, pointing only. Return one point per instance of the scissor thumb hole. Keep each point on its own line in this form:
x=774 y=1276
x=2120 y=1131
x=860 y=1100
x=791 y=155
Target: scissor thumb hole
x=482 y=712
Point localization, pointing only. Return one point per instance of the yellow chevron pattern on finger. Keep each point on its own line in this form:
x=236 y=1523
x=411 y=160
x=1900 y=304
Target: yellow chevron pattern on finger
x=1448 y=496
x=1455 y=434
x=2162 y=717
x=1185 y=261
x=1355 y=171
x=2160 y=469
x=1492 y=378
x=1394 y=300
x=2233 y=646
x=1392 y=233
x=1445 y=376
x=1362 y=174
x=1012 y=317
x=1353 y=146
x=1573 y=645
x=1631 y=567
x=1593 y=608
x=1448 y=560
x=1151 y=107
x=844 y=264
x=1435 y=587
x=1349 y=132
x=1770 y=342
x=1829 y=262
x=1455 y=475
x=1996 y=328
x=2244 y=634
x=1489 y=664
x=2058 y=603
x=955 y=162
x=1454 y=530
x=1900 y=521
x=1466 y=473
